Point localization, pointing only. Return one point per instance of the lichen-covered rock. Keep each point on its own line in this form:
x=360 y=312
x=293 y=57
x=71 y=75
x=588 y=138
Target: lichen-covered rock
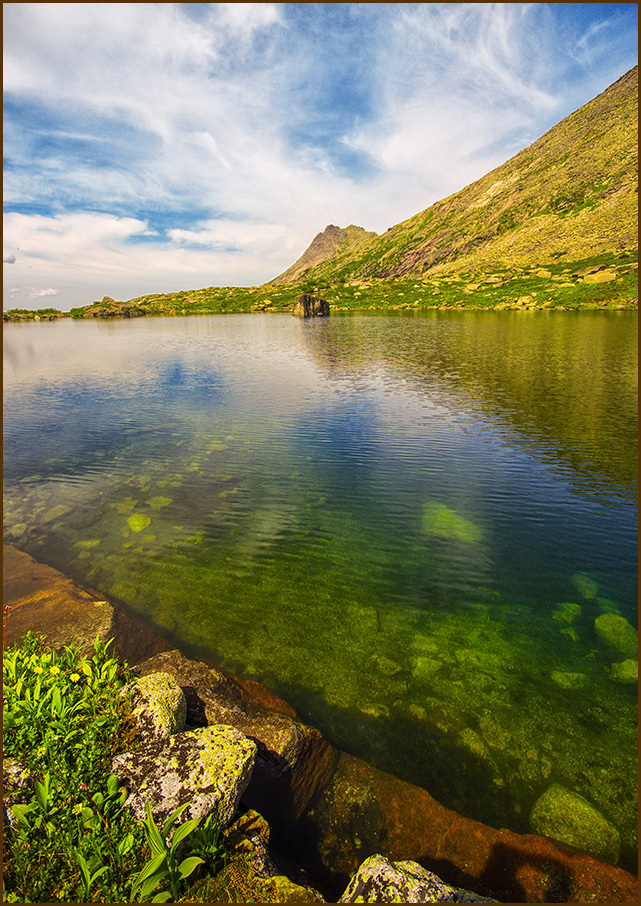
x=294 y=761
x=617 y=633
x=569 y=818
x=158 y=707
x=625 y=672
x=380 y=881
x=207 y=769
x=310 y=306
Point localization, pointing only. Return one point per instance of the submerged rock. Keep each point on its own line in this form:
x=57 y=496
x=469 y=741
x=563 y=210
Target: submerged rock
x=586 y=586
x=566 y=612
x=159 y=707
x=566 y=680
x=310 y=306
x=207 y=769
x=380 y=881
x=138 y=522
x=440 y=520
x=157 y=503
x=616 y=632
x=569 y=818
x=626 y=672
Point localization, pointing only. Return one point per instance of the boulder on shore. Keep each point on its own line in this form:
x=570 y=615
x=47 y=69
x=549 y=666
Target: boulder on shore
x=159 y=707
x=294 y=761
x=310 y=307
x=207 y=769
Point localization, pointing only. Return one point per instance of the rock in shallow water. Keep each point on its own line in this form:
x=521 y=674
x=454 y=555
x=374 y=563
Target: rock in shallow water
x=617 y=633
x=626 y=672
x=380 y=881
x=569 y=818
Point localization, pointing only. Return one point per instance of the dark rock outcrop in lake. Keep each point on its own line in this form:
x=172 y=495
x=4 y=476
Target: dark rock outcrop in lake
x=310 y=307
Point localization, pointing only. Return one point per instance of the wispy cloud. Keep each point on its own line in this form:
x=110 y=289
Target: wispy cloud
x=197 y=144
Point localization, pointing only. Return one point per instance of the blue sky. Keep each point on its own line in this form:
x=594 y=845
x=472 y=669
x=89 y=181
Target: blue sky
x=156 y=147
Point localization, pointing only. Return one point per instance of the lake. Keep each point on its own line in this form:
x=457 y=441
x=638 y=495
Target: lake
x=406 y=524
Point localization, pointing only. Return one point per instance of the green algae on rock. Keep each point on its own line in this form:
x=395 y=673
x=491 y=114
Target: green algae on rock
x=157 y=503
x=566 y=612
x=617 y=633
x=625 y=672
x=586 y=586
x=569 y=818
x=138 y=522
x=439 y=520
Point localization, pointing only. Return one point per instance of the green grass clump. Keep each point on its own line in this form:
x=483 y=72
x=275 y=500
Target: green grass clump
x=71 y=836
x=64 y=720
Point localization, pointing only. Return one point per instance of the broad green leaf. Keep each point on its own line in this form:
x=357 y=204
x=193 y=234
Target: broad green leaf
x=188 y=865
x=156 y=842
x=151 y=868
x=182 y=831
x=170 y=820
x=164 y=897
x=56 y=700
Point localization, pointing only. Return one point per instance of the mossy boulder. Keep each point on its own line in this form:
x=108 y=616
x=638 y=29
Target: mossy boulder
x=380 y=881
x=566 y=816
x=294 y=761
x=207 y=769
x=617 y=633
x=158 y=707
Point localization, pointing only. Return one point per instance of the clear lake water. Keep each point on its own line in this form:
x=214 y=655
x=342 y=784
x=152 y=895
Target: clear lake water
x=406 y=524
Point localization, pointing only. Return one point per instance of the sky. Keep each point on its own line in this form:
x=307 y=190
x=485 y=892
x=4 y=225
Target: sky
x=153 y=147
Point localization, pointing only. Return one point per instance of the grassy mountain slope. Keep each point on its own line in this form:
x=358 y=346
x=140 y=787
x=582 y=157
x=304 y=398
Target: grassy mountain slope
x=569 y=196
x=325 y=246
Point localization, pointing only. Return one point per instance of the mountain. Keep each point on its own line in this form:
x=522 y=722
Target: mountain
x=325 y=247
x=569 y=196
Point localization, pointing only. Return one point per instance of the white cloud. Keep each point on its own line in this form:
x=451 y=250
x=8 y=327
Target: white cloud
x=8 y=257
x=231 y=116
x=36 y=294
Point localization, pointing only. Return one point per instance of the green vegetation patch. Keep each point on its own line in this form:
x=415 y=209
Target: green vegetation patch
x=71 y=837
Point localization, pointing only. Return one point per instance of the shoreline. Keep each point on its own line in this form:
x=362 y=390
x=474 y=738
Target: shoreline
x=328 y=810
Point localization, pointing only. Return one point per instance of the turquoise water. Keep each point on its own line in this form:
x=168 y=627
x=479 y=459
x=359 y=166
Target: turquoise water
x=406 y=524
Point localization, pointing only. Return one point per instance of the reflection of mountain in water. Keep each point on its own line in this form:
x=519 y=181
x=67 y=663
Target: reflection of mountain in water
x=567 y=379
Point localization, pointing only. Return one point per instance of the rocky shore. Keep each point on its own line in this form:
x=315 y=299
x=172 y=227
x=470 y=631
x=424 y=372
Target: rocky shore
x=320 y=823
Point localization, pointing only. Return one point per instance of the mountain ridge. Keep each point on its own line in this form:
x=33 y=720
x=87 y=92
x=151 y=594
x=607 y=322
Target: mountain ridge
x=324 y=246
x=569 y=195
